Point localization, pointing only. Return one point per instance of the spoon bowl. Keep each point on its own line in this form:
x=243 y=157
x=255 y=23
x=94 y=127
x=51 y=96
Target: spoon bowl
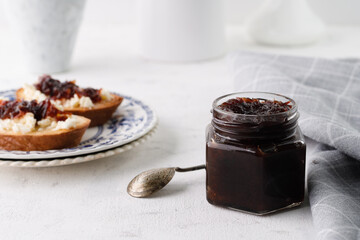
x=148 y=182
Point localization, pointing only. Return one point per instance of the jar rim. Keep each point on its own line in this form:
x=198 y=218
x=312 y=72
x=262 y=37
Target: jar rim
x=290 y=112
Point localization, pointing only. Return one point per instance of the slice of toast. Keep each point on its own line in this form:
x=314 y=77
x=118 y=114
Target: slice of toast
x=44 y=140
x=99 y=114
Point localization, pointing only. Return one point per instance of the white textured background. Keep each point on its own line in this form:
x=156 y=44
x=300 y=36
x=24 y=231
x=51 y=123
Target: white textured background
x=89 y=201
x=124 y=11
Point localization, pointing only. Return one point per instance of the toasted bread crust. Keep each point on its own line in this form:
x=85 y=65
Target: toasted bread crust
x=44 y=140
x=99 y=114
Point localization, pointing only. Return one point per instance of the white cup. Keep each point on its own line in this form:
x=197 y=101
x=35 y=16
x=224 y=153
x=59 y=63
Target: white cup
x=46 y=30
x=285 y=23
x=181 y=30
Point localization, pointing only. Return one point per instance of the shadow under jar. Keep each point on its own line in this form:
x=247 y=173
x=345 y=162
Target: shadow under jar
x=255 y=163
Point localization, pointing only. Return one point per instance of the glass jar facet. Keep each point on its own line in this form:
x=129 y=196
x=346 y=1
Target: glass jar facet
x=255 y=163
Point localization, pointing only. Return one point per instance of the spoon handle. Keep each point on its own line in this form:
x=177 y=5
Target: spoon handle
x=190 y=168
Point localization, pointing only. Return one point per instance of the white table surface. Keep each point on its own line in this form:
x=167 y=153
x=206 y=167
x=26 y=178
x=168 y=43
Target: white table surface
x=89 y=200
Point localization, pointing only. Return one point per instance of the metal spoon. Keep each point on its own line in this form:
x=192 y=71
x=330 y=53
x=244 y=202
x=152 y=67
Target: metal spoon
x=148 y=182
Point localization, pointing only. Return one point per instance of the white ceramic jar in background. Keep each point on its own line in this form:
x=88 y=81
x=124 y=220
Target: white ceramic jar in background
x=285 y=23
x=181 y=30
x=46 y=30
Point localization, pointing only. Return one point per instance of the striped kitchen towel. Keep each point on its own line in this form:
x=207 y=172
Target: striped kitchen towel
x=328 y=94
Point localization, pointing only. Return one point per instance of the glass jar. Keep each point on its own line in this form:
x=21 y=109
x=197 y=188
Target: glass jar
x=255 y=163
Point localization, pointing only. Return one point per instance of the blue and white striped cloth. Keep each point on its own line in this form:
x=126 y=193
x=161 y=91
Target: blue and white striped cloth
x=328 y=94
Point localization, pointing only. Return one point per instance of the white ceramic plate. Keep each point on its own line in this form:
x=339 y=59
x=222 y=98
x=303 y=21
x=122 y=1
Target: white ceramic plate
x=132 y=120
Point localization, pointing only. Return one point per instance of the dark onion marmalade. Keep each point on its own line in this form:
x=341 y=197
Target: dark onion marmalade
x=65 y=90
x=17 y=109
x=254 y=106
x=255 y=153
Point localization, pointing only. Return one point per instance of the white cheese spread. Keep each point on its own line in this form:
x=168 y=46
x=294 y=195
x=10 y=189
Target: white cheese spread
x=74 y=102
x=24 y=124
x=106 y=95
x=31 y=93
x=28 y=124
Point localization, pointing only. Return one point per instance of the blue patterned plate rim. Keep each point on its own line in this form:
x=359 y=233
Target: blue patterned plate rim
x=132 y=120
